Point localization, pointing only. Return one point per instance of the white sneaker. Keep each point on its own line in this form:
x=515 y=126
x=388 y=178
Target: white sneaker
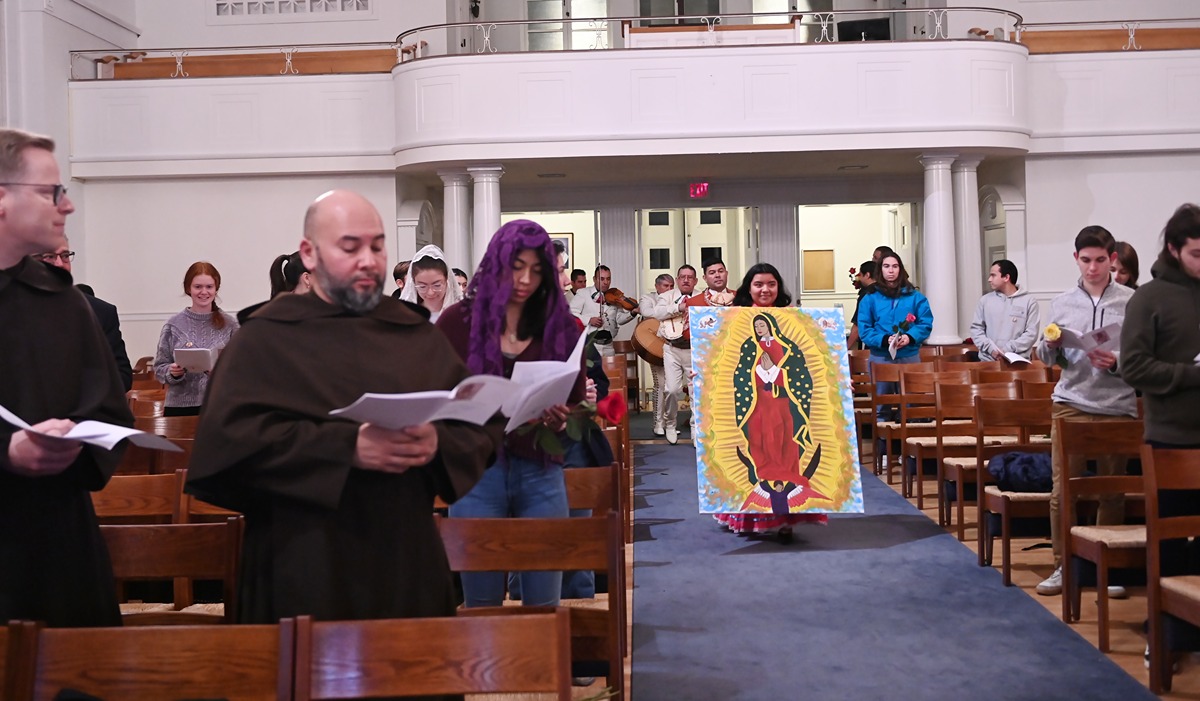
x=672 y=435
x=658 y=430
x=1052 y=585
x=1116 y=591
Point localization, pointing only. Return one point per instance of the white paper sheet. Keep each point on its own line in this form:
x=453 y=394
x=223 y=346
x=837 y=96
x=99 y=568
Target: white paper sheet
x=100 y=434
x=196 y=359
x=1104 y=338
x=475 y=400
x=534 y=387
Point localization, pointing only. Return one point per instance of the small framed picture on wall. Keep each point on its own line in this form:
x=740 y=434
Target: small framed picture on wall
x=569 y=241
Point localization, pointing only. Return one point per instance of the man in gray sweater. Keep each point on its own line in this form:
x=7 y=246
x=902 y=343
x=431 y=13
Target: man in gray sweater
x=1006 y=319
x=1090 y=388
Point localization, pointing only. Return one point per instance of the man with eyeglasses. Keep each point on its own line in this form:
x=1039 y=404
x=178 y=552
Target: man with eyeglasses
x=56 y=370
x=106 y=314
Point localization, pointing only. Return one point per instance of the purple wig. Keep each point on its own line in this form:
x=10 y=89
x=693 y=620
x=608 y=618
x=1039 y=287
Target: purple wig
x=492 y=286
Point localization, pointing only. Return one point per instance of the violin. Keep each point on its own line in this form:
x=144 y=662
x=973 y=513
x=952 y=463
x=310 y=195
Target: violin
x=618 y=298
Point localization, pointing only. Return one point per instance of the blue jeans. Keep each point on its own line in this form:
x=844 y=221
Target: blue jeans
x=885 y=412
x=517 y=488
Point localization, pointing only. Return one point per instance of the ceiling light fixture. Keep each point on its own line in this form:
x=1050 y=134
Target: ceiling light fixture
x=552 y=175
x=852 y=167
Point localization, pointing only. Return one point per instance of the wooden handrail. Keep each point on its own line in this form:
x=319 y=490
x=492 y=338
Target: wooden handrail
x=1061 y=41
x=226 y=65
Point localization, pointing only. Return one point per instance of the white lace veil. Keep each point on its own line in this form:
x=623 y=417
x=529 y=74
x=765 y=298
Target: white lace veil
x=453 y=290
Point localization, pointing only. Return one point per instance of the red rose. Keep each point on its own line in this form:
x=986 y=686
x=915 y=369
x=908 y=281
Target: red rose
x=612 y=408
x=910 y=319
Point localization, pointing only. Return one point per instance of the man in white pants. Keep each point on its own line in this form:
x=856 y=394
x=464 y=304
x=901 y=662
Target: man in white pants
x=663 y=304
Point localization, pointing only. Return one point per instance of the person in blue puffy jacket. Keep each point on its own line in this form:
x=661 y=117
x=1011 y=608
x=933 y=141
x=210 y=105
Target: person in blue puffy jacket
x=895 y=317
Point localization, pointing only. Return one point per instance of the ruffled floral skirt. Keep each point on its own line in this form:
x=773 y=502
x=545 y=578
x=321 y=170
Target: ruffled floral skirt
x=765 y=523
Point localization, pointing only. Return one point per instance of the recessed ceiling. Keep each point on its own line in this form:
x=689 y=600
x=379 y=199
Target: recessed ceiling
x=660 y=169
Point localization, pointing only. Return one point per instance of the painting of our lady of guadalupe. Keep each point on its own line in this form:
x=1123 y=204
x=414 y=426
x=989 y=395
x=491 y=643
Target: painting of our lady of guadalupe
x=774 y=411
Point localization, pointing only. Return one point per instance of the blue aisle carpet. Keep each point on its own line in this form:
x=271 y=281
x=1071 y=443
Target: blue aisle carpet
x=884 y=605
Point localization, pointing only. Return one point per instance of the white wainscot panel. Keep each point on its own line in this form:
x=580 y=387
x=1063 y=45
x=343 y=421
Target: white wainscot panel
x=228 y=118
x=1115 y=101
x=613 y=102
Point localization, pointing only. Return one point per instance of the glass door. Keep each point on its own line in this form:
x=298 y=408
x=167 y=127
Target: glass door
x=569 y=25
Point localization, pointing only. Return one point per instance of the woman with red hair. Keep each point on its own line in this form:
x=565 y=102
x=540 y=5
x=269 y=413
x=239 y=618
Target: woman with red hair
x=200 y=325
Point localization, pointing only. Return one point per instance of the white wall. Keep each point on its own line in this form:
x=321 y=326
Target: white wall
x=1131 y=196
x=852 y=232
x=144 y=234
x=184 y=24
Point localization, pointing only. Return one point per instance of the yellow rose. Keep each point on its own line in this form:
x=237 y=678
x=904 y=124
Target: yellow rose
x=1053 y=333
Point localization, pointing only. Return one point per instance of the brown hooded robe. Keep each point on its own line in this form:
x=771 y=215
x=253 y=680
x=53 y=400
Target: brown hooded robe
x=324 y=538
x=55 y=364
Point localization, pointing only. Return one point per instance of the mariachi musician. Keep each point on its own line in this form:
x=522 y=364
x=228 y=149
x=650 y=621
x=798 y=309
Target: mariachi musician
x=602 y=308
x=661 y=304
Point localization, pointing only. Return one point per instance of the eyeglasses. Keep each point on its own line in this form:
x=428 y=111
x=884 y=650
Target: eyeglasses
x=435 y=287
x=60 y=190
x=65 y=256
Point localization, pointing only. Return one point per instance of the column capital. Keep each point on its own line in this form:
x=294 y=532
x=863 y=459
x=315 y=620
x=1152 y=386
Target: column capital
x=937 y=160
x=966 y=163
x=458 y=176
x=489 y=173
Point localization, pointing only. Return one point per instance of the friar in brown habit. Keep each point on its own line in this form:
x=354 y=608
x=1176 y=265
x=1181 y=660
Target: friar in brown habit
x=339 y=515
x=55 y=370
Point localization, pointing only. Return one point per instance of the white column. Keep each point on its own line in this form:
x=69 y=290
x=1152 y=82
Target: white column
x=619 y=250
x=487 y=208
x=779 y=244
x=939 y=281
x=456 y=225
x=967 y=238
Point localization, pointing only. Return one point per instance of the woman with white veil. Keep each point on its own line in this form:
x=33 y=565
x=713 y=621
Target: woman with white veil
x=429 y=283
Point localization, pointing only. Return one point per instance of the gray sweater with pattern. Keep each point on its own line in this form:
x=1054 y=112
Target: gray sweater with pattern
x=187 y=329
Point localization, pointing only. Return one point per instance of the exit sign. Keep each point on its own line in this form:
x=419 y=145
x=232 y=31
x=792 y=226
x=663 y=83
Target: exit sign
x=698 y=191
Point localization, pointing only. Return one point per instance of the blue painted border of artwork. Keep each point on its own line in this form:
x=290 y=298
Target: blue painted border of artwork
x=705 y=322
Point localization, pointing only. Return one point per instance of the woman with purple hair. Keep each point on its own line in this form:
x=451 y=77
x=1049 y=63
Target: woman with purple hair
x=515 y=311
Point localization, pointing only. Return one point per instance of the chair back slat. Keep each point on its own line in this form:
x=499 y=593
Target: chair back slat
x=142 y=497
x=152 y=663
x=594 y=488
x=434 y=656
x=1011 y=375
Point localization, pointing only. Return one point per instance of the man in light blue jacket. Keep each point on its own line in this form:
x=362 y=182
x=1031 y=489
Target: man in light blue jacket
x=1091 y=388
x=1006 y=319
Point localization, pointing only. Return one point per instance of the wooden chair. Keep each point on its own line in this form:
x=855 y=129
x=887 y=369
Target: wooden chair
x=143 y=375
x=956 y=461
x=208 y=551
x=928 y=353
x=433 y=656
x=146 y=402
x=242 y=663
x=631 y=382
x=1024 y=375
x=956 y=349
x=1021 y=420
x=1107 y=547
x=140 y=499
x=538 y=544
x=861 y=386
x=9 y=648
x=180 y=430
x=918 y=412
x=947 y=362
x=1037 y=390
x=595 y=488
x=885 y=432
x=1172 y=595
